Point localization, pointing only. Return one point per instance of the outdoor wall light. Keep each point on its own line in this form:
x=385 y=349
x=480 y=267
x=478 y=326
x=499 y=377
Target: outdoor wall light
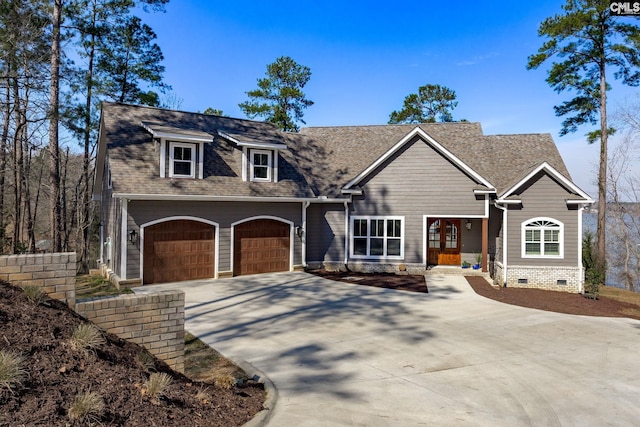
x=133 y=236
x=299 y=231
x=468 y=225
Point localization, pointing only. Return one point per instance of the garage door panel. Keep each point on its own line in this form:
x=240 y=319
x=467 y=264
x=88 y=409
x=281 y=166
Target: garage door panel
x=261 y=246
x=178 y=250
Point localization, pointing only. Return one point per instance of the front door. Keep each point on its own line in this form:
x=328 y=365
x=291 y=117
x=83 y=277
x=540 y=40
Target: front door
x=444 y=242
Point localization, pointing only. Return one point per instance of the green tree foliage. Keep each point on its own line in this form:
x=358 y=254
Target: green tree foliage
x=213 y=112
x=432 y=103
x=588 y=42
x=279 y=97
x=127 y=57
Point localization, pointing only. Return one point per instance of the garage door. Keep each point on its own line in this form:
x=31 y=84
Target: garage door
x=178 y=250
x=261 y=246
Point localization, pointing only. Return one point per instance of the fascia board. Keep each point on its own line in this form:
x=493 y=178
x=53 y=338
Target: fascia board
x=178 y=135
x=417 y=131
x=252 y=144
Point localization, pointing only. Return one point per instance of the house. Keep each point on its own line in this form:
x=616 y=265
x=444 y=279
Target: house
x=186 y=196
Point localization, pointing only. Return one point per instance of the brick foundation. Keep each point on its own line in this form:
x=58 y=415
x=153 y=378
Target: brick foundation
x=564 y=279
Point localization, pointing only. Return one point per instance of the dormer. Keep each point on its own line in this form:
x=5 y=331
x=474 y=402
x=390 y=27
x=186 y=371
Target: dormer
x=259 y=158
x=181 y=150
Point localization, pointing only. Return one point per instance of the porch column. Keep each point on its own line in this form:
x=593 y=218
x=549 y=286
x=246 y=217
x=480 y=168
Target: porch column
x=485 y=244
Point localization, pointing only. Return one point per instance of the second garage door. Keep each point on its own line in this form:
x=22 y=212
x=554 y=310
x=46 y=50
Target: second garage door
x=261 y=246
x=178 y=250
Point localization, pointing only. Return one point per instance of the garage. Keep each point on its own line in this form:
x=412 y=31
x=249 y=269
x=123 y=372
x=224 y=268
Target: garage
x=261 y=246
x=178 y=250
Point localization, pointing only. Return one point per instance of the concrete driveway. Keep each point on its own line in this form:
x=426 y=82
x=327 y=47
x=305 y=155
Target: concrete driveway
x=342 y=354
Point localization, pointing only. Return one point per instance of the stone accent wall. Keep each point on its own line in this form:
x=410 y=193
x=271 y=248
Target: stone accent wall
x=371 y=267
x=154 y=320
x=55 y=273
x=565 y=279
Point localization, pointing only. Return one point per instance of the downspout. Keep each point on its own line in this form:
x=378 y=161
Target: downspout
x=305 y=205
x=346 y=234
x=580 y=264
x=123 y=239
x=101 y=244
x=504 y=243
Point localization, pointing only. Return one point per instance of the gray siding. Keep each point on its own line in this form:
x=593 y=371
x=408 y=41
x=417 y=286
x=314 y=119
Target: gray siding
x=325 y=233
x=417 y=181
x=223 y=213
x=543 y=197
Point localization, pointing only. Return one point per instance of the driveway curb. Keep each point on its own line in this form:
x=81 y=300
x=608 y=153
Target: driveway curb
x=263 y=417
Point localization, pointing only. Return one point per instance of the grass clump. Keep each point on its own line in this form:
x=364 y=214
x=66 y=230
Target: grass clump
x=157 y=384
x=86 y=407
x=146 y=361
x=34 y=294
x=203 y=395
x=223 y=380
x=86 y=337
x=12 y=370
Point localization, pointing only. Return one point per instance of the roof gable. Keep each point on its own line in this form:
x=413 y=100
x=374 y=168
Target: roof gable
x=544 y=167
x=420 y=133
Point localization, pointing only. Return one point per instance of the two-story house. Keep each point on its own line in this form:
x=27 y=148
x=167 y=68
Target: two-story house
x=188 y=196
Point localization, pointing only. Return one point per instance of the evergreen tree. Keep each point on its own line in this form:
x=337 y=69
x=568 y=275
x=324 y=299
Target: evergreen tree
x=589 y=43
x=432 y=103
x=279 y=97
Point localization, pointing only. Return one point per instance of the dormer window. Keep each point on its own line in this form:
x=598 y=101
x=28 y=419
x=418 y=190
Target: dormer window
x=261 y=165
x=182 y=160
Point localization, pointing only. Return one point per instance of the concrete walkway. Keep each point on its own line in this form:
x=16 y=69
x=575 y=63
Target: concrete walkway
x=348 y=355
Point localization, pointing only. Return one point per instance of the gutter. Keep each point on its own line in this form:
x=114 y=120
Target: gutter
x=208 y=198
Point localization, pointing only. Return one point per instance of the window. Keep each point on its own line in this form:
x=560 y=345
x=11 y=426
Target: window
x=182 y=160
x=261 y=165
x=542 y=237
x=377 y=237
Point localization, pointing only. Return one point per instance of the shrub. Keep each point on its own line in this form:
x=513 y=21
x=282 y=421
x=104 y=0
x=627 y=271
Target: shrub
x=157 y=384
x=86 y=407
x=86 y=336
x=12 y=371
x=594 y=271
x=34 y=294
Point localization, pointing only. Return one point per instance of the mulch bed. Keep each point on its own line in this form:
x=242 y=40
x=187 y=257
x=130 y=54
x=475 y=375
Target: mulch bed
x=56 y=374
x=401 y=282
x=559 y=302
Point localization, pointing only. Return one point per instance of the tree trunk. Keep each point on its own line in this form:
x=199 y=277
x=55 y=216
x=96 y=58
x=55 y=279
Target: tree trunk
x=3 y=164
x=601 y=242
x=54 y=107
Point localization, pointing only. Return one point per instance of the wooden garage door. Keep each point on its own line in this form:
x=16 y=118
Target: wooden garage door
x=178 y=250
x=261 y=246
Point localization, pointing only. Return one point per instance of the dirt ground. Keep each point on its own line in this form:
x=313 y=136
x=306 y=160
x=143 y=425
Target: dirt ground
x=56 y=374
x=560 y=302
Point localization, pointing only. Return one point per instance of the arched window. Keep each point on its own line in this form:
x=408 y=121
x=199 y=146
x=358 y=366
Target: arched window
x=542 y=237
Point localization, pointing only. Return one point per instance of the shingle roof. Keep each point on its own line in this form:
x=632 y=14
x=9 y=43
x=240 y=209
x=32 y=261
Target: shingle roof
x=319 y=161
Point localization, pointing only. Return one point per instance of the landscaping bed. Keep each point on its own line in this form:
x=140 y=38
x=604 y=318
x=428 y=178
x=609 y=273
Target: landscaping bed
x=56 y=371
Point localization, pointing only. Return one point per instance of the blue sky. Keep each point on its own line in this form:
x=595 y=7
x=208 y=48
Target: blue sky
x=365 y=57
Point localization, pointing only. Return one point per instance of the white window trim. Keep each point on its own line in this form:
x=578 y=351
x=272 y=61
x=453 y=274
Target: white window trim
x=269 y=166
x=385 y=237
x=524 y=227
x=192 y=147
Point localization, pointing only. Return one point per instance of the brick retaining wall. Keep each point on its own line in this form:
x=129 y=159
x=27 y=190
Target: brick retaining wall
x=154 y=321
x=54 y=273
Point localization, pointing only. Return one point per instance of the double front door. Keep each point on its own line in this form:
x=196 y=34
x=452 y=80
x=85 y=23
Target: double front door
x=443 y=245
